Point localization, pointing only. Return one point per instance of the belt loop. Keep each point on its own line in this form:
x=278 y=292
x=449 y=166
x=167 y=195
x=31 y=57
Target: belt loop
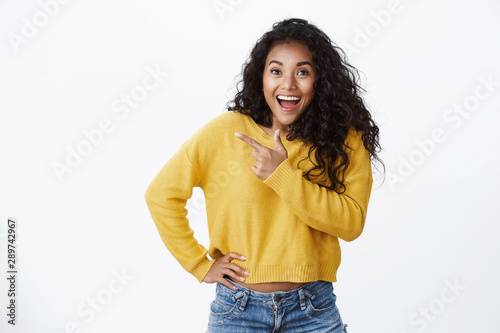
x=309 y=294
x=245 y=295
x=302 y=299
x=237 y=296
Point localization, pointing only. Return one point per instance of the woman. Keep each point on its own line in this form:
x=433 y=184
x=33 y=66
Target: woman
x=279 y=195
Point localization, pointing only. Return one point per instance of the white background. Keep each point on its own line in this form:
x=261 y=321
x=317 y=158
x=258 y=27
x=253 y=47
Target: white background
x=432 y=224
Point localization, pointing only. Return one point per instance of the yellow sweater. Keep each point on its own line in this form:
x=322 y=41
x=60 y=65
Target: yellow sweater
x=286 y=226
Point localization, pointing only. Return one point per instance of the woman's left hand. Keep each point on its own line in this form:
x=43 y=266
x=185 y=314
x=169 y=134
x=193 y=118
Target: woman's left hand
x=266 y=159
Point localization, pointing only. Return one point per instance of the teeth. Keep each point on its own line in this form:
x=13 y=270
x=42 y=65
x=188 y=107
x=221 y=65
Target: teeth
x=289 y=98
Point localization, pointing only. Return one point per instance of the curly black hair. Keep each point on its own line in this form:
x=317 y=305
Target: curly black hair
x=336 y=105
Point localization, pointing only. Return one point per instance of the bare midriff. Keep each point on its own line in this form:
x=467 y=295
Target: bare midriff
x=269 y=287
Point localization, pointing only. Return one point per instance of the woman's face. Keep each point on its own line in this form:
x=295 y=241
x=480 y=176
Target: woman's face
x=288 y=82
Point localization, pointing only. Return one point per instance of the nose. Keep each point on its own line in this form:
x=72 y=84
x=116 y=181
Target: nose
x=288 y=82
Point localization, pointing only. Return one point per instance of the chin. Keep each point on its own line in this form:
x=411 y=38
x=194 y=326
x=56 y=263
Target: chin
x=287 y=119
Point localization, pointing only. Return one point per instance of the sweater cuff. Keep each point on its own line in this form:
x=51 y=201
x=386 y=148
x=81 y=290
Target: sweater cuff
x=281 y=176
x=202 y=269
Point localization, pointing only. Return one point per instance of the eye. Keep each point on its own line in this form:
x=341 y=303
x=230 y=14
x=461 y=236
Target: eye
x=275 y=71
x=303 y=72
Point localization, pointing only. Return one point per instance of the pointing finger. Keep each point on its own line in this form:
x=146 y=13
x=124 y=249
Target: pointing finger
x=249 y=141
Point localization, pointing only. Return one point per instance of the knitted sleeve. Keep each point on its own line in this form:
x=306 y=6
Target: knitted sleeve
x=340 y=215
x=166 y=198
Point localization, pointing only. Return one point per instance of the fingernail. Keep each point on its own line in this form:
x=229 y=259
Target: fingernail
x=242 y=278
x=243 y=257
x=237 y=134
x=246 y=273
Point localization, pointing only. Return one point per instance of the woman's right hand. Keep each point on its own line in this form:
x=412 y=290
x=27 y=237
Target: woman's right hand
x=223 y=266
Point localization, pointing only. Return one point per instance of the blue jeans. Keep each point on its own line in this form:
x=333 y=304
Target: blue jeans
x=310 y=308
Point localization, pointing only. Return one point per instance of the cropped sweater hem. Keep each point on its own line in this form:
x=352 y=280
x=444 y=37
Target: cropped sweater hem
x=289 y=273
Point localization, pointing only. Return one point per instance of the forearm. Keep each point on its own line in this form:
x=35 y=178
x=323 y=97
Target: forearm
x=340 y=215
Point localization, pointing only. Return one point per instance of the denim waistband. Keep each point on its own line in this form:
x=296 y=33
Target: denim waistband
x=310 y=290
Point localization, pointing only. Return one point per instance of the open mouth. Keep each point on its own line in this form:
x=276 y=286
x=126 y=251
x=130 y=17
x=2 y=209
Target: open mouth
x=288 y=102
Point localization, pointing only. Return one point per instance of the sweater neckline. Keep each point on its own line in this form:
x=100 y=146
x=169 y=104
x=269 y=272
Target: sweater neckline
x=261 y=133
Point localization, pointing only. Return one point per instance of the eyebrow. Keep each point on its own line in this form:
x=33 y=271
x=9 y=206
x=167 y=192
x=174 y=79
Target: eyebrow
x=301 y=63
